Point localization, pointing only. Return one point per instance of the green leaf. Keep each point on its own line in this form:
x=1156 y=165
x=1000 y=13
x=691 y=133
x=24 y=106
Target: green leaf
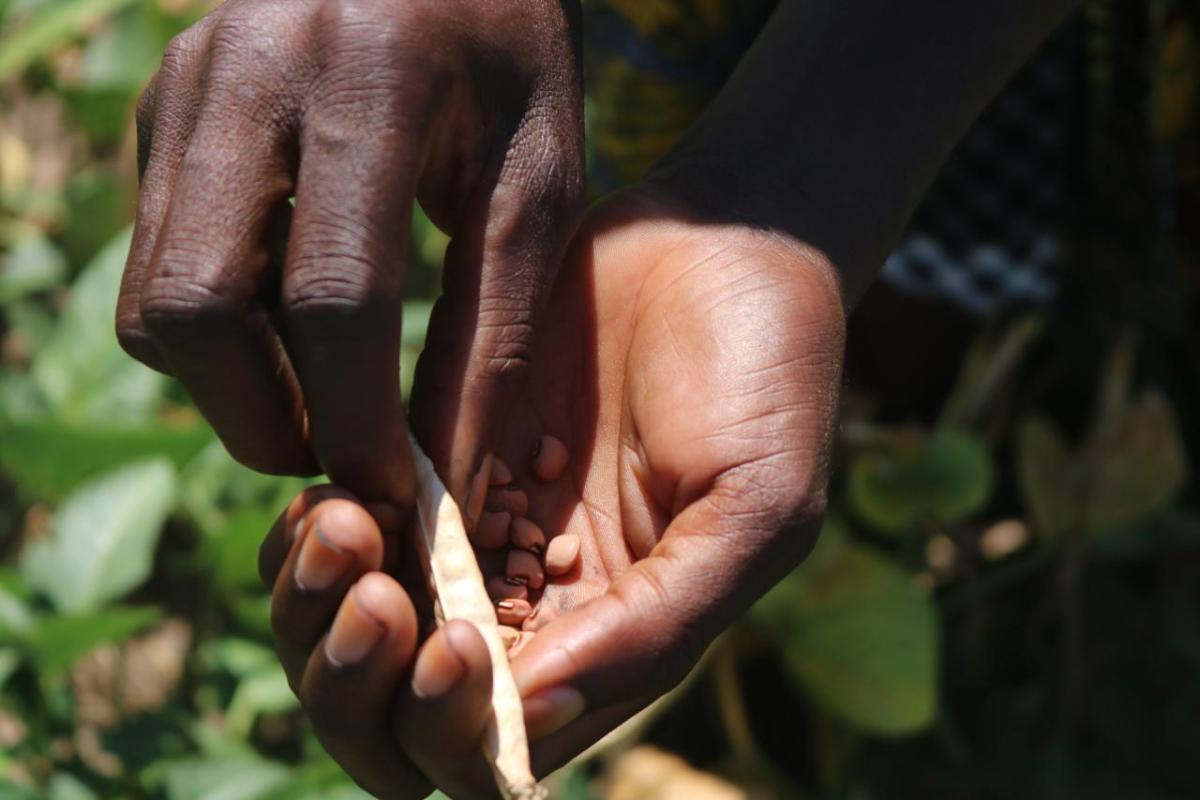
x=60 y=640
x=103 y=538
x=33 y=265
x=10 y=659
x=82 y=371
x=1137 y=464
x=941 y=478
x=48 y=459
x=859 y=635
x=234 y=549
x=265 y=691
x=230 y=778
x=65 y=786
x=53 y=25
x=1050 y=480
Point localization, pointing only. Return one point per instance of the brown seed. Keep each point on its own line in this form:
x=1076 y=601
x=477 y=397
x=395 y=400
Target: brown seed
x=525 y=566
x=562 y=554
x=513 y=612
x=549 y=458
x=501 y=474
x=514 y=501
x=492 y=531
x=499 y=588
x=526 y=535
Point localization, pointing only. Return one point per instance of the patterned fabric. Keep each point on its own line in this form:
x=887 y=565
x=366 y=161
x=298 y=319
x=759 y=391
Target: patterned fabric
x=990 y=233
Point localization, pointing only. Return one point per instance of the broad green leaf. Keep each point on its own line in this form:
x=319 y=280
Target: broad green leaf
x=59 y=640
x=54 y=24
x=859 y=635
x=265 y=691
x=241 y=657
x=232 y=778
x=65 y=786
x=48 y=459
x=103 y=538
x=234 y=549
x=82 y=371
x=940 y=478
x=20 y=398
x=33 y=265
x=1136 y=464
x=1049 y=478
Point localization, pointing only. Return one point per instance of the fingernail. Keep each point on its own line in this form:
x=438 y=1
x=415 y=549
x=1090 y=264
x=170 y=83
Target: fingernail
x=354 y=634
x=438 y=670
x=321 y=563
x=552 y=710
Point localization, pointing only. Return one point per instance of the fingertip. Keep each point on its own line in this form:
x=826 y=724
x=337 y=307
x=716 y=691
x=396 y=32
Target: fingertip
x=380 y=597
x=348 y=526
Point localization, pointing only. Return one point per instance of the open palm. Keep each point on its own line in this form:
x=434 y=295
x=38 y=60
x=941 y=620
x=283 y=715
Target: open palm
x=692 y=370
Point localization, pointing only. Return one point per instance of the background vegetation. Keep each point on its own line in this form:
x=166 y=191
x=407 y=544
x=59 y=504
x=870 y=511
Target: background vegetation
x=1004 y=603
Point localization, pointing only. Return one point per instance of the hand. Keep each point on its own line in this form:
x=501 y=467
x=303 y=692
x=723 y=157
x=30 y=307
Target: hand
x=692 y=370
x=283 y=323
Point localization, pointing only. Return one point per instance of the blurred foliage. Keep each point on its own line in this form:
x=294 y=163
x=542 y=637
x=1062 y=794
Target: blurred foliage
x=1004 y=602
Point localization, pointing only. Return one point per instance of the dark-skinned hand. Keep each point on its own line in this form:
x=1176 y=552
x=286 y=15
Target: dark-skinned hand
x=692 y=370
x=283 y=322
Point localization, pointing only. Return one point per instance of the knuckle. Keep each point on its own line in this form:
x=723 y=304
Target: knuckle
x=183 y=308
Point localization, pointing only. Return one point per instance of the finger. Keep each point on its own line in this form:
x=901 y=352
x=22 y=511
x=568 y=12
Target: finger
x=201 y=302
x=499 y=269
x=444 y=713
x=286 y=530
x=351 y=682
x=342 y=290
x=339 y=543
x=166 y=116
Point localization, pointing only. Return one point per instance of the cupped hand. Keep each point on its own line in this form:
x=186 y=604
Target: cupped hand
x=282 y=321
x=692 y=371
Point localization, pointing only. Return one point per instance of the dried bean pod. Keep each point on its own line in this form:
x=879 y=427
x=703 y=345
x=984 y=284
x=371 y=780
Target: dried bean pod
x=459 y=593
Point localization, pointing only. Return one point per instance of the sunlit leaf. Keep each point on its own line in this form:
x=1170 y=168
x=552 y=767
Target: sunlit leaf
x=232 y=778
x=940 y=478
x=54 y=24
x=33 y=265
x=48 y=459
x=65 y=786
x=103 y=538
x=59 y=640
x=859 y=635
x=82 y=371
x=234 y=548
x=265 y=691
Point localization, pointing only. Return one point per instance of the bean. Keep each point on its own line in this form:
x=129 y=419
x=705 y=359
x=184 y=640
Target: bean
x=513 y=612
x=514 y=501
x=492 y=531
x=501 y=474
x=500 y=588
x=562 y=554
x=459 y=593
x=525 y=567
x=549 y=458
x=526 y=535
